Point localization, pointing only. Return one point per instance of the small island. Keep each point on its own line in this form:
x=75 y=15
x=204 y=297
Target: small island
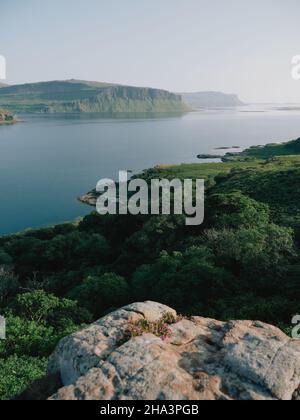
x=7 y=117
x=228 y=147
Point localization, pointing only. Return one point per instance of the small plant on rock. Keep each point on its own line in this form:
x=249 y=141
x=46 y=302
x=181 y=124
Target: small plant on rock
x=160 y=328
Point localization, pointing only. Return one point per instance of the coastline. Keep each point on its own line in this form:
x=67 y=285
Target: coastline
x=229 y=161
x=15 y=121
x=267 y=151
x=262 y=153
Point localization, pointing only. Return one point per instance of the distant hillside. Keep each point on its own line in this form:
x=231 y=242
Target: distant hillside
x=81 y=96
x=2 y=85
x=211 y=100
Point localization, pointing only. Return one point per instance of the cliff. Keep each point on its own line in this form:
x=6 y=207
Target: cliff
x=179 y=358
x=211 y=100
x=76 y=96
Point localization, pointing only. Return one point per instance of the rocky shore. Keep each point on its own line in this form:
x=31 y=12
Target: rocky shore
x=228 y=157
x=89 y=198
x=6 y=117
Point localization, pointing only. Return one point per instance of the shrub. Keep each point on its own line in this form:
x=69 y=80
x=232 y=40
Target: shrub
x=101 y=293
x=18 y=372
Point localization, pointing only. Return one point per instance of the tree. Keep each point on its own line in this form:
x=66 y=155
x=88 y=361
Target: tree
x=5 y=259
x=99 y=294
x=182 y=279
x=63 y=252
x=254 y=254
x=236 y=210
x=28 y=338
x=41 y=306
x=9 y=285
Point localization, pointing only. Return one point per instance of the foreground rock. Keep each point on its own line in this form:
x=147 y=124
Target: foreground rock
x=202 y=359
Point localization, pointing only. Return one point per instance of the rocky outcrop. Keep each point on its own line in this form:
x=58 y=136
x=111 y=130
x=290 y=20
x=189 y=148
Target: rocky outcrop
x=201 y=359
x=6 y=117
x=89 y=198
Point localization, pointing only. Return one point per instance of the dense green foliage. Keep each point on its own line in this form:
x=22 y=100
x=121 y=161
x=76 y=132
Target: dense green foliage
x=80 y=96
x=243 y=262
x=273 y=149
x=18 y=372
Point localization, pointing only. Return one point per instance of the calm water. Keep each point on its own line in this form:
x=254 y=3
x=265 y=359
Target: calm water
x=47 y=161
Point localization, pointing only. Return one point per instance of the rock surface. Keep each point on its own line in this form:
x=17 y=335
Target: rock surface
x=89 y=198
x=202 y=359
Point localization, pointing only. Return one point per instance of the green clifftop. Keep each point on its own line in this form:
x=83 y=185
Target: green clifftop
x=81 y=96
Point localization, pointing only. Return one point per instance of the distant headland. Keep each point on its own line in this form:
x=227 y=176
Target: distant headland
x=211 y=100
x=80 y=96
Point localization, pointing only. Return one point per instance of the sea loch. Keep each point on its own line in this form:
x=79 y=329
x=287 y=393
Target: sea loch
x=46 y=162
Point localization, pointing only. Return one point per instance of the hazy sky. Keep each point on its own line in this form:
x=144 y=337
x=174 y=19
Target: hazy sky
x=235 y=46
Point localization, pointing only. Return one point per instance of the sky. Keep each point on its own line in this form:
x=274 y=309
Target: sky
x=231 y=46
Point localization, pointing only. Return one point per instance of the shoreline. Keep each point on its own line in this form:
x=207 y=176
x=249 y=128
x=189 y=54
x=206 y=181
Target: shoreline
x=254 y=153
x=260 y=152
x=7 y=117
x=2 y=123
